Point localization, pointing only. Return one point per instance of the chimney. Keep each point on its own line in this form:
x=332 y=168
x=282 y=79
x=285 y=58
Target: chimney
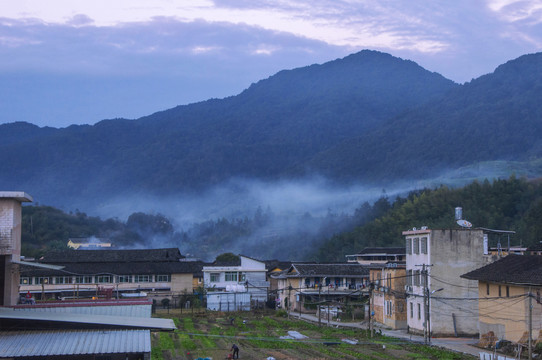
x=10 y=244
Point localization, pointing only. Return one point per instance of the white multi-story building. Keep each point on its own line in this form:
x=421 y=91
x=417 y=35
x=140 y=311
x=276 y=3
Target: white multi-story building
x=437 y=297
x=247 y=275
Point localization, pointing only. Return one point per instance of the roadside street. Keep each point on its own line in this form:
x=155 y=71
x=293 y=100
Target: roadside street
x=461 y=345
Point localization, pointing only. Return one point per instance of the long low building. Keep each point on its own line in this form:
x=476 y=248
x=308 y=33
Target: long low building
x=111 y=273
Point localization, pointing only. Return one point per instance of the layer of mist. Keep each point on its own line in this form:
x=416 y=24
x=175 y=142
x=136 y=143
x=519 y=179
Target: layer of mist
x=263 y=219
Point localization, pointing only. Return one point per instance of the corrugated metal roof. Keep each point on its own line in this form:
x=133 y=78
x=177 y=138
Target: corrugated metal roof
x=73 y=342
x=38 y=265
x=124 y=321
x=138 y=311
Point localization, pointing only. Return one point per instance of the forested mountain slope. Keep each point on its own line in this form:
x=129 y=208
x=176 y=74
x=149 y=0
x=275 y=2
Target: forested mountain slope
x=495 y=117
x=275 y=125
x=513 y=204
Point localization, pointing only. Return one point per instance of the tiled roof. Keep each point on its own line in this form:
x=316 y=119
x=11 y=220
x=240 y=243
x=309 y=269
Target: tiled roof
x=113 y=256
x=329 y=270
x=122 y=268
x=383 y=250
x=512 y=269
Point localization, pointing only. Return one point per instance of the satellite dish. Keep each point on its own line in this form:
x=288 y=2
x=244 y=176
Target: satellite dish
x=464 y=223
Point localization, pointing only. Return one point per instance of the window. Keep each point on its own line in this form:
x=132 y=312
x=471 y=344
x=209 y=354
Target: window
x=388 y=281
x=500 y=291
x=103 y=279
x=215 y=277
x=409 y=246
x=142 y=278
x=43 y=280
x=163 y=278
x=242 y=277
x=409 y=277
x=388 y=308
x=508 y=291
x=487 y=288
x=124 y=279
x=83 y=279
x=417 y=277
x=424 y=245
x=419 y=312
x=25 y=281
x=412 y=310
x=231 y=276
x=63 y=280
x=416 y=246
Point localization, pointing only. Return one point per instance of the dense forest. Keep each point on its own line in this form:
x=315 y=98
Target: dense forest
x=511 y=204
x=263 y=235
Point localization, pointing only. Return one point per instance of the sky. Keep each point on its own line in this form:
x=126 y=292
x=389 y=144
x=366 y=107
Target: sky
x=66 y=62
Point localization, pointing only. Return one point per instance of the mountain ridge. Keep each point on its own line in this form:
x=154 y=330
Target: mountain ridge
x=366 y=117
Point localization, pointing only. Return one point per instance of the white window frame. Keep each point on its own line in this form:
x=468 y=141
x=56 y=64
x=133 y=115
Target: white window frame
x=231 y=276
x=104 y=279
x=423 y=245
x=142 y=278
x=63 y=280
x=123 y=279
x=214 y=277
x=416 y=246
x=163 y=278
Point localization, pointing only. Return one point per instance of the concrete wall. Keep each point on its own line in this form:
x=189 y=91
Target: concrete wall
x=451 y=253
x=507 y=316
x=181 y=283
x=10 y=248
x=454 y=253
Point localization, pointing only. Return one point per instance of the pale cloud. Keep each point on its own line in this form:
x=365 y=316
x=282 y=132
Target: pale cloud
x=352 y=24
x=517 y=10
x=204 y=49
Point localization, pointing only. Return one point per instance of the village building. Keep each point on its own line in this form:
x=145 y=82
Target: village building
x=156 y=273
x=436 y=292
x=509 y=294
x=10 y=244
x=59 y=329
x=237 y=285
x=388 y=297
x=304 y=286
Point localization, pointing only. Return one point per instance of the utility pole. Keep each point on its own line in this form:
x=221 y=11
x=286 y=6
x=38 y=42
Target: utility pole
x=426 y=300
x=530 y=324
x=371 y=309
x=427 y=314
x=289 y=300
x=319 y=312
x=299 y=300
